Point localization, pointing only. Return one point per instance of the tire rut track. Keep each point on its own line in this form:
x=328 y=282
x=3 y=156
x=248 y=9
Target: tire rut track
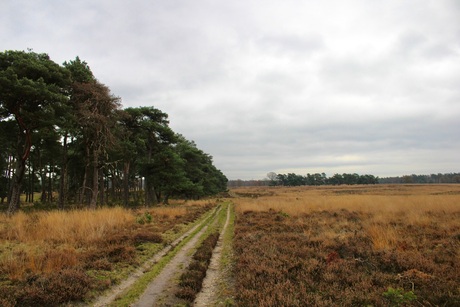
x=208 y=294
x=161 y=287
x=118 y=290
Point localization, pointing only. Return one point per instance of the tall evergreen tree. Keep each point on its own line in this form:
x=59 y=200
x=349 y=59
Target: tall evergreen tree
x=31 y=84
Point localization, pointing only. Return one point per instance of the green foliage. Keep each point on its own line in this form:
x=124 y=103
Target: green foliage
x=32 y=88
x=69 y=137
x=292 y=179
x=398 y=297
x=145 y=218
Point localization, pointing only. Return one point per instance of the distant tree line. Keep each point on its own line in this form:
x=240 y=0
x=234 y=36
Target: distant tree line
x=248 y=183
x=433 y=178
x=316 y=179
x=65 y=135
x=292 y=179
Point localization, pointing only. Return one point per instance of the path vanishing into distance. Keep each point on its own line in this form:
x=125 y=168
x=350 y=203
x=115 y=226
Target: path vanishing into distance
x=209 y=293
x=161 y=290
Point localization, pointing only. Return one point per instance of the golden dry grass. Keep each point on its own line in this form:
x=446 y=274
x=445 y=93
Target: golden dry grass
x=57 y=256
x=383 y=205
x=44 y=242
x=295 y=201
x=74 y=227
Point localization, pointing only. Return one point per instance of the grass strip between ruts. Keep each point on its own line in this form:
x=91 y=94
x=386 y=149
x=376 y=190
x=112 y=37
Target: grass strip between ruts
x=138 y=288
x=217 y=225
x=225 y=286
x=225 y=294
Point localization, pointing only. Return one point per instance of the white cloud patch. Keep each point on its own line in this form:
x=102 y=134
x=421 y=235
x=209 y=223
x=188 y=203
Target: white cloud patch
x=304 y=86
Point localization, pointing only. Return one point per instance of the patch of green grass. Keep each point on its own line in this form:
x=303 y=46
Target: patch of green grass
x=398 y=297
x=147 y=250
x=216 y=226
x=227 y=249
x=226 y=288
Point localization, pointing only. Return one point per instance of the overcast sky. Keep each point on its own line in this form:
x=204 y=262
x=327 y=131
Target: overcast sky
x=371 y=87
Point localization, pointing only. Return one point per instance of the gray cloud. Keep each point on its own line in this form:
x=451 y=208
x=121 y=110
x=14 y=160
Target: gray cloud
x=280 y=86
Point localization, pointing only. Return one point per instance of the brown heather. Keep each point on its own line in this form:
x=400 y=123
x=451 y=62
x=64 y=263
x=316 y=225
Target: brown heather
x=50 y=258
x=344 y=246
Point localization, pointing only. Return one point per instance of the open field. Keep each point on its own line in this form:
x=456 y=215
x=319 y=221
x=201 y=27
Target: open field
x=377 y=245
x=382 y=245
x=56 y=257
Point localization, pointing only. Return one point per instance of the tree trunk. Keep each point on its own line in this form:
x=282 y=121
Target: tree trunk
x=126 y=166
x=50 y=184
x=84 y=188
x=150 y=195
x=15 y=189
x=93 y=201
x=15 y=193
x=63 y=178
x=101 y=186
x=166 y=199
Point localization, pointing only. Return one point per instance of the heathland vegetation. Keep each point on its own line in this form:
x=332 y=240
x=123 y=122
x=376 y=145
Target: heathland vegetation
x=349 y=245
x=379 y=245
x=50 y=258
x=66 y=141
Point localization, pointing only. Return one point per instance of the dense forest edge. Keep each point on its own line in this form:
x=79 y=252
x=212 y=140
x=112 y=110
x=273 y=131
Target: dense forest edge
x=67 y=142
x=292 y=179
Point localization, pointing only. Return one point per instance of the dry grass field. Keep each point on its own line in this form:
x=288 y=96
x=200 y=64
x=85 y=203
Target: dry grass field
x=52 y=258
x=382 y=245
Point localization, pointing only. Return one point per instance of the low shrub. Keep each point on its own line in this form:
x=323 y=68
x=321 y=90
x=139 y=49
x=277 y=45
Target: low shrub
x=191 y=280
x=55 y=288
x=326 y=258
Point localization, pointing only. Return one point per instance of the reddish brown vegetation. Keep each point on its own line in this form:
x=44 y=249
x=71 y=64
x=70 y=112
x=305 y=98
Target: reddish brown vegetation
x=335 y=258
x=191 y=280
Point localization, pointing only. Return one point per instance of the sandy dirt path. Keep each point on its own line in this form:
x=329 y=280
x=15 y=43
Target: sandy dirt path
x=119 y=289
x=209 y=293
x=161 y=291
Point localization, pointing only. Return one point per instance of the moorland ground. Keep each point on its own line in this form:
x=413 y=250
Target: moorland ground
x=53 y=258
x=382 y=245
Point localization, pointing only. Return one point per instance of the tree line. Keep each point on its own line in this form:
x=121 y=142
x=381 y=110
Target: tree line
x=292 y=179
x=432 y=178
x=65 y=135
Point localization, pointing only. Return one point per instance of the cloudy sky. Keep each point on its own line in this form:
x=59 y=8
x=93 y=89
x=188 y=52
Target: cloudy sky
x=300 y=86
